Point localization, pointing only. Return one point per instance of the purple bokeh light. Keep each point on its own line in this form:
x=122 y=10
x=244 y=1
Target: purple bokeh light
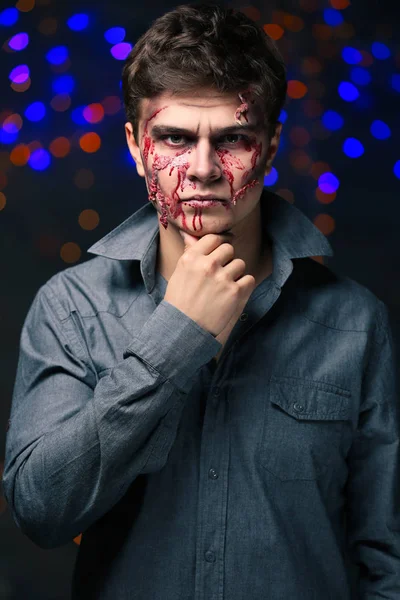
x=19 y=74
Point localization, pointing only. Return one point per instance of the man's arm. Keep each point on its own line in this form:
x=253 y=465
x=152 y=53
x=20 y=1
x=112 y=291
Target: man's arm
x=75 y=444
x=373 y=487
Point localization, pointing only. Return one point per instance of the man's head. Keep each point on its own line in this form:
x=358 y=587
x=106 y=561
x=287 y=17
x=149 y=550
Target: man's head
x=199 y=70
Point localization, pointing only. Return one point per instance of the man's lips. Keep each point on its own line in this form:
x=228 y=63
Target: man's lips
x=203 y=198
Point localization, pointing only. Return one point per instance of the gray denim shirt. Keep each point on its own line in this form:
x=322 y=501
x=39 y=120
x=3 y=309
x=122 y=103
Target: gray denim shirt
x=272 y=475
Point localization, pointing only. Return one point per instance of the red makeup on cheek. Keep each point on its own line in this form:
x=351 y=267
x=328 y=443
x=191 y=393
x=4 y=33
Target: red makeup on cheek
x=229 y=161
x=148 y=143
x=257 y=148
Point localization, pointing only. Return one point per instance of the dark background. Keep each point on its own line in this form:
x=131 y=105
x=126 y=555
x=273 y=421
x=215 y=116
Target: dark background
x=44 y=223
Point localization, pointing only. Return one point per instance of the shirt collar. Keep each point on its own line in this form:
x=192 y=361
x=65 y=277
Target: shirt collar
x=288 y=227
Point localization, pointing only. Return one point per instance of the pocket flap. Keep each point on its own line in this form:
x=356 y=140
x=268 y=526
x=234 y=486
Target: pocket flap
x=309 y=399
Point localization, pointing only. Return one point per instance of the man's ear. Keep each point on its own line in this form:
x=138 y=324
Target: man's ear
x=134 y=149
x=273 y=148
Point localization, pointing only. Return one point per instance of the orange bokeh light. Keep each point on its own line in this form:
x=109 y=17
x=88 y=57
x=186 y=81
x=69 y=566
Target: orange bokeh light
x=21 y=87
x=84 y=179
x=15 y=120
x=340 y=4
x=311 y=66
x=3 y=180
x=321 y=31
x=70 y=252
x=299 y=136
x=111 y=105
x=89 y=219
x=3 y=200
x=325 y=223
x=293 y=23
x=20 y=155
x=78 y=539
x=48 y=26
x=296 y=89
x=300 y=161
x=25 y=5
x=61 y=102
x=90 y=142
x=93 y=113
x=274 y=31
x=312 y=108
x=318 y=168
x=324 y=198
x=60 y=147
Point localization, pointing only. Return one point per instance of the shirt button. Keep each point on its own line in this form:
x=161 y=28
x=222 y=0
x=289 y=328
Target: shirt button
x=298 y=407
x=209 y=556
x=216 y=391
x=243 y=317
x=212 y=473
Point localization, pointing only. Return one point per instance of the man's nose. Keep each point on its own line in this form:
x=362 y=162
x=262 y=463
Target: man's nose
x=203 y=162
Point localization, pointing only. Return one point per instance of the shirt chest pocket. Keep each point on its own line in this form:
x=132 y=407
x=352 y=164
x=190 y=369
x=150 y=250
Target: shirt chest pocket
x=302 y=427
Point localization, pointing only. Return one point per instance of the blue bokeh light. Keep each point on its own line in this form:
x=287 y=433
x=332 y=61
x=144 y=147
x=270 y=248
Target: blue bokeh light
x=351 y=55
x=57 y=55
x=77 y=115
x=78 y=22
x=353 y=148
x=380 y=51
x=272 y=178
x=333 y=17
x=332 y=120
x=283 y=116
x=6 y=137
x=39 y=160
x=360 y=76
x=380 y=130
x=396 y=169
x=396 y=82
x=115 y=35
x=9 y=16
x=348 y=91
x=328 y=183
x=19 y=41
x=35 y=111
x=63 y=84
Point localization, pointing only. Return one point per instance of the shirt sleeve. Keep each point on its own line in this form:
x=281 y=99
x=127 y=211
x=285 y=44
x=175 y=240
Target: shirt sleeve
x=373 y=487
x=76 y=443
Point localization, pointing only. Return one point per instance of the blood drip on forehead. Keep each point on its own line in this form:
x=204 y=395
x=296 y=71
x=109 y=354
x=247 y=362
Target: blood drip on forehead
x=245 y=97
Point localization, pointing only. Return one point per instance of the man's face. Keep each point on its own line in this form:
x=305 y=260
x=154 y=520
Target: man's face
x=207 y=144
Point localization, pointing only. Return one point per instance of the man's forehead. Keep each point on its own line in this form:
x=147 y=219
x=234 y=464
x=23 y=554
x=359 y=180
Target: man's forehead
x=212 y=99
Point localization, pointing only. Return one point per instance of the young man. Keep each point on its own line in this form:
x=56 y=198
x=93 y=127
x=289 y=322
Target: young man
x=212 y=408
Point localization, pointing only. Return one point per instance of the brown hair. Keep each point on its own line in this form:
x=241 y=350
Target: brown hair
x=204 y=45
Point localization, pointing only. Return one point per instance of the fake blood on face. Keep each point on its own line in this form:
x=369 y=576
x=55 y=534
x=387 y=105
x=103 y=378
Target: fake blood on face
x=181 y=162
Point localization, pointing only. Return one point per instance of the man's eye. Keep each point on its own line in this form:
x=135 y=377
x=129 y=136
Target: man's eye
x=230 y=138
x=174 y=140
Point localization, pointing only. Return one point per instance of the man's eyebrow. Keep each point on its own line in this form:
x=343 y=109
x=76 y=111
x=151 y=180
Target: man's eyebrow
x=158 y=130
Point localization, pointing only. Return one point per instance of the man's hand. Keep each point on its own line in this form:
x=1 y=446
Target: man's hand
x=208 y=284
